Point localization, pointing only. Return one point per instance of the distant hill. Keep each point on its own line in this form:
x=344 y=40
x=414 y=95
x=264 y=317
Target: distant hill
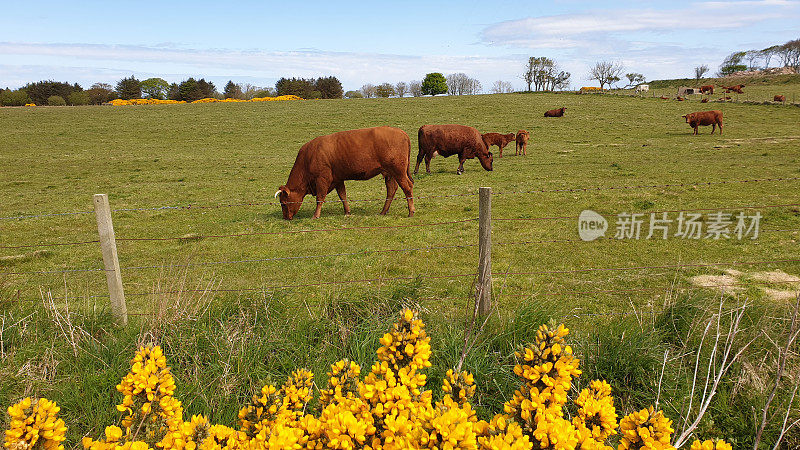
x=750 y=79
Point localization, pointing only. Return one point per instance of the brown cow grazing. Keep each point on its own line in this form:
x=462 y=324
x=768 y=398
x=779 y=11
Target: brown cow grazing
x=500 y=140
x=522 y=142
x=724 y=99
x=707 y=89
x=779 y=98
x=555 y=112
x=447 y=140
x=324 y=163
x=679 y=98
x=704 y=118
x=705 y=100
x=664 y=97
x=729 y=89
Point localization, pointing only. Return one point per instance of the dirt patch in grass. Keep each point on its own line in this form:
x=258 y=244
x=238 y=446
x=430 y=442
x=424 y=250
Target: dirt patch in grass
x=777 y=276
x=719 y=282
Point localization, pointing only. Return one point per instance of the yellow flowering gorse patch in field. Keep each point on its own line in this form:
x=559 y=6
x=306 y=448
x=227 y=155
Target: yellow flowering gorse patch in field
x=389 y=409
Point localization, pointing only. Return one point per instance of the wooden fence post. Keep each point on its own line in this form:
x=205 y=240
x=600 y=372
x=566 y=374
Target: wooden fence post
x=484 y=288
x=109 y=247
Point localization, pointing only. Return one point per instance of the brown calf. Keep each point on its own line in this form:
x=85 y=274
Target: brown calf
x=709 y=88
x=779 y=98
x=522 y=142
x=500 y=140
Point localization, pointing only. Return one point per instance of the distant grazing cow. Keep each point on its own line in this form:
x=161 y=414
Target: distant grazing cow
x=724 y=99
x=707 y=89
x=500 y=140
x=737 y=89
x=705 y=100
x=642 y=88
x=555 y=112
x=779 y=98
x=447 y=140
x=664 y=97
x=704 y=118
x=324 y=163
x=680 y=99
x=522 y=142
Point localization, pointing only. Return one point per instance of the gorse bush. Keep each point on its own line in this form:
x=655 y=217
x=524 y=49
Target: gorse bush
x=388 y=408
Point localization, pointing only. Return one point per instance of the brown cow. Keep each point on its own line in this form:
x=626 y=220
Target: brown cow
x=724 y=99
x=447 y=140
x=704 y=118
x=779 y=98
x=705 y=100
x=679 y=98
x=555 y=112
x=324 y=163
x=522 y=142
x=664 y=97
x=709 y=89
x=737 y=88
x=500 y=140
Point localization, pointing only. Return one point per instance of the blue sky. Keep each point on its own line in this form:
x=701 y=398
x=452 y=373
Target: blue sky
x=373 y=42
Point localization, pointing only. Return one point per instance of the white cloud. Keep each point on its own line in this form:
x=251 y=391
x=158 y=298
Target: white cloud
x=174 y=63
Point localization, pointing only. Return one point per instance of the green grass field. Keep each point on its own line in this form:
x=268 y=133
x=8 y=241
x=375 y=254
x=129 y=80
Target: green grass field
x=54 y=159
x=231 y=158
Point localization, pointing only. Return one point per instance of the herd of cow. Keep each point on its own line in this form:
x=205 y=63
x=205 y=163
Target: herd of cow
x=326 y=162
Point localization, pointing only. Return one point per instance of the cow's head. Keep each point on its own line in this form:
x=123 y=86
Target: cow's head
x=290 y=201
x=486 y=158
x=563 y=110
x=687 y=117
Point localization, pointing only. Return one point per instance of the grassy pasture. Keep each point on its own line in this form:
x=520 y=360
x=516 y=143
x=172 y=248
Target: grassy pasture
x=221 y=154
x=225 y=155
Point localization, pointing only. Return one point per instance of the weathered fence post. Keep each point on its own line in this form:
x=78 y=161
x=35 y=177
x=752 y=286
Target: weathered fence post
x=484 y=288
x=109 y=247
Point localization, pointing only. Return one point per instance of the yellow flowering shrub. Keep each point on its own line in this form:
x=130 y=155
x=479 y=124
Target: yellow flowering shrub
x=34 y=424
x=30 y=104
x=390 y=408
x=711 y=445
x=155 y=101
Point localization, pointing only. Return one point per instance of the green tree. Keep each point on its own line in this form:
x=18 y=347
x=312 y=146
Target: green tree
x=300 y=87
x=155 y=88
x=731 y=64
x=353 y=94
x=40 y=91
x=329 y=87
x=56 y=100
x=189 y=90
x=16 y=97
x=78 y=98
x=434 y=84
x=384 y=90
x=101 y=93
x=207 y=88
x=232 y=90
x=128 y=88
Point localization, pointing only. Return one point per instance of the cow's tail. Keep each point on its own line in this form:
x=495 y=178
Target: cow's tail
x=408 y=169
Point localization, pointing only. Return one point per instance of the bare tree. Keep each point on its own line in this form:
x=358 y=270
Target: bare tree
x=501 y=87
x=415 y=88
x=768 y=53
x=249 y=91
x=401 y=88
x=385 y=90
x=369 y=90
x=634 y=79
x=461 y=84
x=529 y=72
x=699 y=71
x=752 y=56
x=605 y=72
x=561 y=80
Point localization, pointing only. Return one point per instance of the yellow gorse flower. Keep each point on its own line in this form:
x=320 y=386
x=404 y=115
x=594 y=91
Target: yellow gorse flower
x=389 y=409
x=155 y=101
x=34 y=424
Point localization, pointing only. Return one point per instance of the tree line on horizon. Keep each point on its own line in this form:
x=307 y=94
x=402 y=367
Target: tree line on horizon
x=540 y=74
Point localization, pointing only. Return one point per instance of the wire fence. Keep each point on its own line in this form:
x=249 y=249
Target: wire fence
x=383 y=280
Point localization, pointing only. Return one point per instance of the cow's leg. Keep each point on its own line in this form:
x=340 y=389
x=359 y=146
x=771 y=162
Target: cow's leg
x=343 y=197
x=323 y=187
x=406 y=184
x=391 y=188
x=713 y=128
x=461 y=160
x=428 y=163
x=720 y=128
x=524 y=149
x=420 y=157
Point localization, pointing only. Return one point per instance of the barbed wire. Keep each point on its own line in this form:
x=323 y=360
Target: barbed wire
x=284 y=258
x=424 y=197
